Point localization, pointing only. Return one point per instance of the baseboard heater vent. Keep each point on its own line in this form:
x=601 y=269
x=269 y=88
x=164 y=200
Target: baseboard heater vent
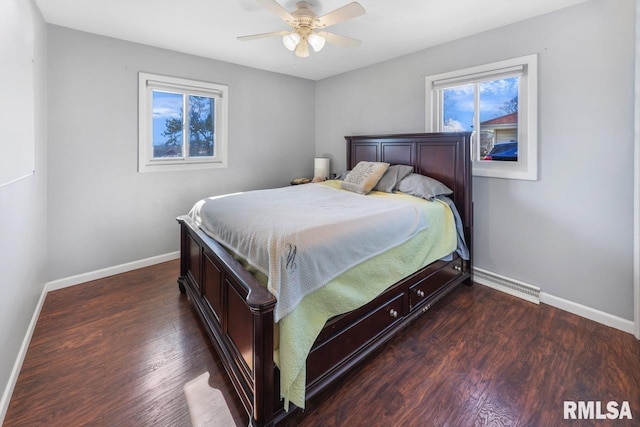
x=505 y=284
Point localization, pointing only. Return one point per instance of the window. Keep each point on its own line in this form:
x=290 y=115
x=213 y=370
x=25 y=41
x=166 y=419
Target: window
x=183 y=124
x=498 y=103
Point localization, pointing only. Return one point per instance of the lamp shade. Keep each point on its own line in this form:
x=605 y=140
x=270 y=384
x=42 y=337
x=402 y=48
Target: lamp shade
x=321 y=167
x=316 y=41
x=302 y=50
x=291 y=41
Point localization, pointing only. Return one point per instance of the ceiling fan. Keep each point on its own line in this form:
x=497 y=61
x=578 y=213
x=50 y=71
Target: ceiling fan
x=304 y=23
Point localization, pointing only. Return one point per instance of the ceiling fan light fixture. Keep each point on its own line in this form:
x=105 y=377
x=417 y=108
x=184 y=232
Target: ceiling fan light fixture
x=304 y=23
x=316 y=41
x=291 y=41
x=302 y=50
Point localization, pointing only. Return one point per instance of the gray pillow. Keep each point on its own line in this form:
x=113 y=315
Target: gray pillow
x=423 y=186
x=392 y=178
x=342 y=175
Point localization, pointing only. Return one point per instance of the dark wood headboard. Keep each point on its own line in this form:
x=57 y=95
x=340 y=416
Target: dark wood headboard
x=443 y=156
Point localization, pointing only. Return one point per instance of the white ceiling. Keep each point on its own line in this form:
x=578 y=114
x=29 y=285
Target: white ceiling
x=209 y=28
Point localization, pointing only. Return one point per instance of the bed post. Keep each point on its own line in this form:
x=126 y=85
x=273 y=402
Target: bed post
x=264 y=391
x=184 y=262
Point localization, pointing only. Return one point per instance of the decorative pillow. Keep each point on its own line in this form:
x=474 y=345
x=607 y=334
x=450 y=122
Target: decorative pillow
x=364 y=176
x=392 y=178
x=423 y=186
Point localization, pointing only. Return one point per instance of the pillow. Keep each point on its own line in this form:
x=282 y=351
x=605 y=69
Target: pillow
x=364 y=177
x=423 y=186
x=392 y=178
x=342 y=175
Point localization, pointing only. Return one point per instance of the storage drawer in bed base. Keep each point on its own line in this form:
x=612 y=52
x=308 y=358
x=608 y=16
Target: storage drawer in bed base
x=422 y=292
x=340 y=344
x=333 y=351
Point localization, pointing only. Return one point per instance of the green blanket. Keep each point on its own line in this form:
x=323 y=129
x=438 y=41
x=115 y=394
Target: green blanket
x=354 y=288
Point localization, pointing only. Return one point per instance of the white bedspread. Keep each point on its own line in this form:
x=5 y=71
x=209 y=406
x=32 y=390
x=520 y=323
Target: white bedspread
x=301 y=237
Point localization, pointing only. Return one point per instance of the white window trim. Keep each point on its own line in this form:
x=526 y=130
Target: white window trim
x=526 y=167
x=146 y=83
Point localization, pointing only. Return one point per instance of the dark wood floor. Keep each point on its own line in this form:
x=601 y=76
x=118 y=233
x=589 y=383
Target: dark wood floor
x=128 y=351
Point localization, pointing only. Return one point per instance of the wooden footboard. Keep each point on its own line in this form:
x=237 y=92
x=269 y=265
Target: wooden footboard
x=237 y=310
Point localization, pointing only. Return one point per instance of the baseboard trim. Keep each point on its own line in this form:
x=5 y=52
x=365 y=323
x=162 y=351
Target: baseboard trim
x=588 y=312
x=59 y=284
x=17 y=366
x=110 y=271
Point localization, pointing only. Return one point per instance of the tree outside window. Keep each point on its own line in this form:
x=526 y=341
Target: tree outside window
x=169 y=125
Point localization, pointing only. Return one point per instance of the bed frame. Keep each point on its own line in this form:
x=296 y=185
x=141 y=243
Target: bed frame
x=237 y=310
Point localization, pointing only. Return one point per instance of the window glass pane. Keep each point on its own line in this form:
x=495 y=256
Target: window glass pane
x=201 y=126
x=167 y=125
x=499 y=119
x=458 y=108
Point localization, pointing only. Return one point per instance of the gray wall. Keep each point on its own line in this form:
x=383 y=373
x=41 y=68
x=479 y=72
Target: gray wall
x=570 y=232
x=23 y=204
x=102 y=212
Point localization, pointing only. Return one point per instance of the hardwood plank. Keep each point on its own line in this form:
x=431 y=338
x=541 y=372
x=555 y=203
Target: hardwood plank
x=126 y=350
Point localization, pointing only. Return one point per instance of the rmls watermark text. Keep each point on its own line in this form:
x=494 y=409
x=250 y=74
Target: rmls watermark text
x=596 y=410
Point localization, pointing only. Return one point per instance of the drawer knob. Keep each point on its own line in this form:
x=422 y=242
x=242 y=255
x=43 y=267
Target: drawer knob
x=457 y=268
x=420 y=293
x=393 y=313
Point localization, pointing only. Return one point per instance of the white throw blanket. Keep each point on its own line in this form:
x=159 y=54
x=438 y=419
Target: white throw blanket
x=301 y=237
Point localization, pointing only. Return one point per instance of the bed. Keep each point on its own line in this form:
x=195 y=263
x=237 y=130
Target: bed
x=237 y=310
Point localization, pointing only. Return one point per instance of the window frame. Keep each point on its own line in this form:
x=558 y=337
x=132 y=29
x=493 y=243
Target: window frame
x=526 y=167
x=147 y=82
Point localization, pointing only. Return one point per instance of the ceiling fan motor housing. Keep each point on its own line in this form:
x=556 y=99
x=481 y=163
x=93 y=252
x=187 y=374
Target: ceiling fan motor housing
x=305 y=19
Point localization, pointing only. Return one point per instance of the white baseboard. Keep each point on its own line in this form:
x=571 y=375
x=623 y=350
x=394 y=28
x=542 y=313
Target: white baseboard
x=13 y=378
x=533 y=294
x=110 y=271
x=588 y=312
x=59 y=284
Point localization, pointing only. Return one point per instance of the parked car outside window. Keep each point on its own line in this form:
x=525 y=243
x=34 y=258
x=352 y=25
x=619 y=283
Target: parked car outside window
x=504 y=151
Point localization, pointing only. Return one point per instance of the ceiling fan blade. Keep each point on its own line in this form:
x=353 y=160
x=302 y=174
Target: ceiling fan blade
x=348 y=11
x=277 y=9
x=263 y=35
x=339 y=40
